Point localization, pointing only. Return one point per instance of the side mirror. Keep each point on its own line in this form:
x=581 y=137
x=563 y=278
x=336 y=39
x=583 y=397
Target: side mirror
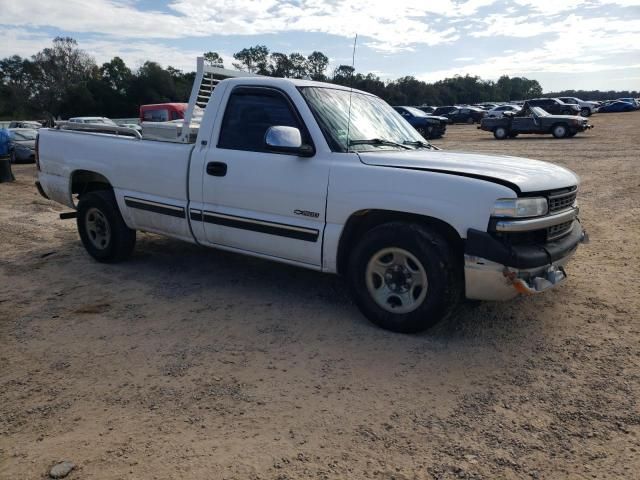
x=282 y=139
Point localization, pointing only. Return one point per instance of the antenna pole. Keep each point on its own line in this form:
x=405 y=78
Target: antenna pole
x=353 y=69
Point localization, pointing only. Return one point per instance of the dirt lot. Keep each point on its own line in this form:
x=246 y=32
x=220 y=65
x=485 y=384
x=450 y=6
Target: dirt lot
x=193 y=363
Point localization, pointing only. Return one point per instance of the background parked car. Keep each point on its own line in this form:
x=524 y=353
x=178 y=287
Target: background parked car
x=440 y=111
x=25 y=124
x=497 y=112
x=162 y=112
x=555 y=106
x=616 y=106
x=428 y=126
x=426 y=108
x=22 y=145
x=534 y=120
x=101 y=120
x=586 y=108
x=632 y=101
x=465 y=115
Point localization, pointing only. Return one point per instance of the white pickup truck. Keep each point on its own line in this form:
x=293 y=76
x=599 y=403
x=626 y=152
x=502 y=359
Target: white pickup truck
x=319 y=176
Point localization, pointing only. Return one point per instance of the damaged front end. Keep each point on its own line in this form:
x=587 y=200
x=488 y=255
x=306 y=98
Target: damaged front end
x=521 y=256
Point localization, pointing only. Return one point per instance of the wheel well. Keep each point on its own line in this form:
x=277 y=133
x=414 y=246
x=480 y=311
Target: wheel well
x=83 y=181
x=364 y=220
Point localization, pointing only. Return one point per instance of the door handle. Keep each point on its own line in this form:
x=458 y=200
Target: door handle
x=217 y=169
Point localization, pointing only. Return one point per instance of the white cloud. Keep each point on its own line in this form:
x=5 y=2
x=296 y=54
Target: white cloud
x=390 y=26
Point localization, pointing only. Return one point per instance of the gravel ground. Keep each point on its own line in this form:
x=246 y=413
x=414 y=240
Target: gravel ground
x=193 y=363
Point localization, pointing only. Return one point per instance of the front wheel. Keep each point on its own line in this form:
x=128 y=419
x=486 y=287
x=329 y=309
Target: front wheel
x=560 y=131
x=102 y=230
x=500 y=133
x=585 y=112
x=403 y=277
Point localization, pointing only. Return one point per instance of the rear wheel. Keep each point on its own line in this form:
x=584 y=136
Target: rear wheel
x=500 y=133
x=403 y=277
x=585 y=112
x=102 y=230
x=559 y=131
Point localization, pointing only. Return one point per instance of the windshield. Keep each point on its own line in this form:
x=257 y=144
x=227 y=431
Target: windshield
x=371 y=118
x=24 y=135
x=415 y=112
x=539 y=112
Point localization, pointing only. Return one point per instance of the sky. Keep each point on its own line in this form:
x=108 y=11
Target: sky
x=564 y=44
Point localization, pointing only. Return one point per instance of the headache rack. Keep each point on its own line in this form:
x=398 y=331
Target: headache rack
x=177 y=131
x=207 y=77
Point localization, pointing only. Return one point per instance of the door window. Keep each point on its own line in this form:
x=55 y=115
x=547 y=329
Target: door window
x=249 y=114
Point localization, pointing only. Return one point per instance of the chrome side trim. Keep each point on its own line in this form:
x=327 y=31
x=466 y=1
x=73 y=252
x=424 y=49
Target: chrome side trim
x=536 y=223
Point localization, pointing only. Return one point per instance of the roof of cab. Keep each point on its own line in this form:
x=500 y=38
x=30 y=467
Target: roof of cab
x=281 y=82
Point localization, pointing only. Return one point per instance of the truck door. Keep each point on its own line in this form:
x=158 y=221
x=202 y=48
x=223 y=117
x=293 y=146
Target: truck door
x=259 y=201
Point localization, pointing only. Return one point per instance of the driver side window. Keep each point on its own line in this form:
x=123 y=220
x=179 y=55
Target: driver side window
x=249 y=114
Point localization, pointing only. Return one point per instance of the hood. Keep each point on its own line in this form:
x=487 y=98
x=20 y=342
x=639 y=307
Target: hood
x=520 y=174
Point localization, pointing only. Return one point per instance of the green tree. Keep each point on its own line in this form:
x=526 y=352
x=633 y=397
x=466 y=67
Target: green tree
x=213 y=59
x=253 y=59
x=298 y=65
x=59 y=69
x=280 y=65
x=317 y=64
x=343 y=75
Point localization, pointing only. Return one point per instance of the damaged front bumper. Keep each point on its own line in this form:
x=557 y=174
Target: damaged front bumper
x=494 y=271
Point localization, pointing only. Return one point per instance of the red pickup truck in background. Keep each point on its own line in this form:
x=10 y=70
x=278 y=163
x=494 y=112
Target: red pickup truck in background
x=162 y=112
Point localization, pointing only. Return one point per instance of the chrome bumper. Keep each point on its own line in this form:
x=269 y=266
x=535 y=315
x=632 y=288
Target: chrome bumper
x=487 y=280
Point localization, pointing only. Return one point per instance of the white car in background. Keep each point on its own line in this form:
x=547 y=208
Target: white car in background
x=92 y=120
x=586 y=108
x=498 y=112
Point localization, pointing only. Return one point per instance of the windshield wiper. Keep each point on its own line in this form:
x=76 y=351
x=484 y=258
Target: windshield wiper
x=378 y=141
x=420 y=143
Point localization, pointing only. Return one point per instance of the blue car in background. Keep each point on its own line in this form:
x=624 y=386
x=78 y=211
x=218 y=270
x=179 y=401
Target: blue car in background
x=429 y=126
x=632 y=101
x=617 y=106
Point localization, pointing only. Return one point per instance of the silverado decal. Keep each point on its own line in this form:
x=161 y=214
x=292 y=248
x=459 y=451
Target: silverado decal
x=307 y=213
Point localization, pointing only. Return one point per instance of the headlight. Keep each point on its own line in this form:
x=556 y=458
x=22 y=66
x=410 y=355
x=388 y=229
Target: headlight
x=520 y=207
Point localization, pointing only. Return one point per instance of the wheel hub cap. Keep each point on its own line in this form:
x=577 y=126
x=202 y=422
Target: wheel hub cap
x=396 y=280
x=98 y=228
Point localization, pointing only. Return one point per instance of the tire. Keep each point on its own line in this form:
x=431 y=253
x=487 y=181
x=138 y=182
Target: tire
x=403 y=277
x=500 y=133
x=585 y=112
x=425 y=132
x=102 y=230
x=560 y=130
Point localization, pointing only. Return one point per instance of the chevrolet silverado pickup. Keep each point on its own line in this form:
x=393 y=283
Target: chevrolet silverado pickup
x=322 y=177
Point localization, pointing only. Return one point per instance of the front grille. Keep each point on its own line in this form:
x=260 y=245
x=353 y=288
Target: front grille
x=562 y=201
x=559 y=230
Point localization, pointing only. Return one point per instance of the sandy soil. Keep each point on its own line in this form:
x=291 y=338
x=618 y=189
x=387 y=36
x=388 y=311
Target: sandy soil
x=193 y=363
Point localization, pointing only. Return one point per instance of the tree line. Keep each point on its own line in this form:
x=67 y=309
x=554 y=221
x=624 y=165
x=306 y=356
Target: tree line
x=62 y=81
